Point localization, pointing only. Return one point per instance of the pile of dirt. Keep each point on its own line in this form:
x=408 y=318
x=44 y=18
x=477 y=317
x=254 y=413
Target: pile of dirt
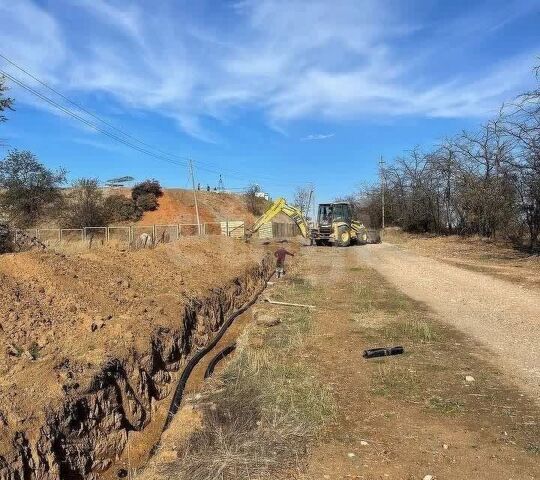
x=69 y=321
x=178 y=206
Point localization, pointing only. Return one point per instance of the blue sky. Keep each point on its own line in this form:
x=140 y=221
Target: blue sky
x=280 y=93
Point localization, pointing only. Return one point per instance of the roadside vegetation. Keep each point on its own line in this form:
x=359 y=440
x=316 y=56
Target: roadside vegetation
x=484 y=182
x=265 y=408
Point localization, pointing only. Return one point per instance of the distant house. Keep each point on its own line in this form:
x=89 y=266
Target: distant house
x=262 y=195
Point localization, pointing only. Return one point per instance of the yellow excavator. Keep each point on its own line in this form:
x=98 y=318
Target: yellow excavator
x=334 y=223
x=281 y=206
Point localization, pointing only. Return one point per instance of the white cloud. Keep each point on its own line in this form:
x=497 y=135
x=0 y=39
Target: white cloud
x=317 y=136
x=32 y=36
x=285 y=59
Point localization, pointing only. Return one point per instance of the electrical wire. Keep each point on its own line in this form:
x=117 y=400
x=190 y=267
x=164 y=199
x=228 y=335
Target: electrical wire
x=172 y=158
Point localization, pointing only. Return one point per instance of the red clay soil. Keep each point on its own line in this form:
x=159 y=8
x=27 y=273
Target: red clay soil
x=63 y=315
x=178 y=206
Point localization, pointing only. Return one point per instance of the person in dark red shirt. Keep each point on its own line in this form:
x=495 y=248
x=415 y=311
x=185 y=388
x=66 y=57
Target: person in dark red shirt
x=280 y=255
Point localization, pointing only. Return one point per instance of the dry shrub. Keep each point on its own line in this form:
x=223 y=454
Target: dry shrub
x=259 y=422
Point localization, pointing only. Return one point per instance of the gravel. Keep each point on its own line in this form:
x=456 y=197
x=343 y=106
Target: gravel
x=502 y=316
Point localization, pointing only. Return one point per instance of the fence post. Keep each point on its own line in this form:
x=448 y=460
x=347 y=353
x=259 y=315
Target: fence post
x=227 y=233
x=61 y=236
x=82 y=235
x=154 y=234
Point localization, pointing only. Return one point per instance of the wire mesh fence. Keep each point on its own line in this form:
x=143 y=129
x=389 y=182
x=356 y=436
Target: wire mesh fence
x=120 y=234
x=138 y=235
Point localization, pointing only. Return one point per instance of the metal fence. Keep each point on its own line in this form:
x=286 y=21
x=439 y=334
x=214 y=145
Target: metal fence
x=134 y=234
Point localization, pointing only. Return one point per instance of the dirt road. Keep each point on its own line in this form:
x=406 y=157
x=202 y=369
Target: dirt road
x=502 y=316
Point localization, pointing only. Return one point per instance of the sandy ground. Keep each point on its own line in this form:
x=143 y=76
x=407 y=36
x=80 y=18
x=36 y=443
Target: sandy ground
x=501 y=315
x=498 y=258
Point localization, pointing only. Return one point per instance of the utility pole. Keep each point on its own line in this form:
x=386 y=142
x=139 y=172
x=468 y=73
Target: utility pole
x=221 y=186
x=195 y=197
x=308 y=208
x=381 y=174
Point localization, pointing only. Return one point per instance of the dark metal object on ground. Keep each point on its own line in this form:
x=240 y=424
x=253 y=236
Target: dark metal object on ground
x=383 y=352
x=220 y=356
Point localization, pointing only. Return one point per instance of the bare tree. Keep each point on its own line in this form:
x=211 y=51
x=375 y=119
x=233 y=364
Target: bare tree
x=255 y=202
x=302 y=198
x=485 y=181
x=6 y=103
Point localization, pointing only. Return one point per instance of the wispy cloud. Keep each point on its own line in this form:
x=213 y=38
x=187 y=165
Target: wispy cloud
x=317 y=136
x=285 y=60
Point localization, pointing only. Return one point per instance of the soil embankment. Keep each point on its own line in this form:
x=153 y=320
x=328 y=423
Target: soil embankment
x=94 y=340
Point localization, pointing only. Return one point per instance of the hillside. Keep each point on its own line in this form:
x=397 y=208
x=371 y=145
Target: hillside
x=178 y=206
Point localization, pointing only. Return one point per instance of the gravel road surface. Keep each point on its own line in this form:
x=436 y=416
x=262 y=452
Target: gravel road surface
x=502 y=316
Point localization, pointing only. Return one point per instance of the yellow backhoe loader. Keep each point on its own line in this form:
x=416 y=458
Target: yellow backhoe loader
x=335 y=226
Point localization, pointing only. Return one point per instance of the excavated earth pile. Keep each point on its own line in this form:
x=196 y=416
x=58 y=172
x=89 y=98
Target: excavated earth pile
x=93 y=340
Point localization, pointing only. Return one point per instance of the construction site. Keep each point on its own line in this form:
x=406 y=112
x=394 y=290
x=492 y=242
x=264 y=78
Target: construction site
x=116 y=357
x=269 y=241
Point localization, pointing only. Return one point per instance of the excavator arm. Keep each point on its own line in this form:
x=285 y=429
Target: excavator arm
x=280 y=206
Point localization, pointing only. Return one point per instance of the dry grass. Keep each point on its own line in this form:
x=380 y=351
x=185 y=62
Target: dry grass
x=268 y=405
x=396 y=380
x=497 y=258
x=431 y=373
x=417 y=330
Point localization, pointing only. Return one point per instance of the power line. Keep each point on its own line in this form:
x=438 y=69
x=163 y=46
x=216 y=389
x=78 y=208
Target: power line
x=87 y=122
x=88 y=112
x=163 y=155
x=108 y=124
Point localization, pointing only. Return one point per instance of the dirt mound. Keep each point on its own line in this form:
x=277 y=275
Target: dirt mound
x=66 y=318
x=178 y=206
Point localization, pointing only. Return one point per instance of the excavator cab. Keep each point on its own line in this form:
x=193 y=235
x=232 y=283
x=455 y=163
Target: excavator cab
x=336 y=226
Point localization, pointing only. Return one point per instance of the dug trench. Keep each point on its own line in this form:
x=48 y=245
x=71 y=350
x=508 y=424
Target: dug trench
x=83 y=433
x=141 y=446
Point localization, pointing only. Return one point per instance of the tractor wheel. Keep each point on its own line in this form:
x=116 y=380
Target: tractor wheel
x=343 y=237
x=362 y=238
